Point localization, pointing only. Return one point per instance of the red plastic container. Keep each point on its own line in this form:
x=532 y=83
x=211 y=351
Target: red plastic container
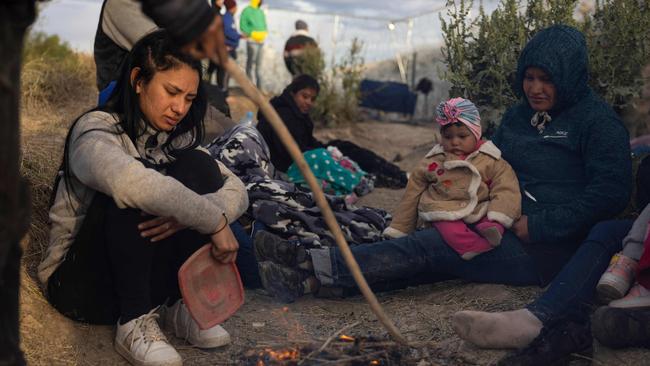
x=212 y=291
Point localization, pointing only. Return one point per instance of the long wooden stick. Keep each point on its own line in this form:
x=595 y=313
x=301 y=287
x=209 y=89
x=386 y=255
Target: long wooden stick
x=252 y=92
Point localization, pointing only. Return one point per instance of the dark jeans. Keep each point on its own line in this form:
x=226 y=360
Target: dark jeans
x=111 y=272
x=424 y=253
x=246 y=261
x=571 y=292
x=15 y=17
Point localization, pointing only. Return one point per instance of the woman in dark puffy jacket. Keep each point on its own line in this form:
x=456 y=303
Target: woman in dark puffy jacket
x=293 y=106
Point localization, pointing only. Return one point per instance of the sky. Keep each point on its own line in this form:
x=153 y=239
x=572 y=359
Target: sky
x=75 y=21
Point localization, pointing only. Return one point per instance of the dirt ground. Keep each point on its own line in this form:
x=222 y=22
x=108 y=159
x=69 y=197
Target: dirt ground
x=421 y=313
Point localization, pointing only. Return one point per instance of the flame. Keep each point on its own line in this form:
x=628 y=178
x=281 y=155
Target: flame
x=374 y=362
x=346 y=338
x=281 y=355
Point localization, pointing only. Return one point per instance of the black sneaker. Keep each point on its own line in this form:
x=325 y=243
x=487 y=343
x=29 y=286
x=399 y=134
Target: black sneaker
x=558 y=344
x=282 y=282
x=269 y=247
x=622 y=327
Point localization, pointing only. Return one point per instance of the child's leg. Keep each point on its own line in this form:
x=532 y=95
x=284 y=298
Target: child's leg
x=460 y=238
x=617 y=279
x=490 y=230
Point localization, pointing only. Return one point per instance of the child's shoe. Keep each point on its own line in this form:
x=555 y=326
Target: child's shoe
x=617 y=279
x=491 y=231
x=638 y=297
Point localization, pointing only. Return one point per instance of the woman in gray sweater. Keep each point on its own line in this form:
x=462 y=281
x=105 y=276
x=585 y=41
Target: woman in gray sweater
x=134 y=198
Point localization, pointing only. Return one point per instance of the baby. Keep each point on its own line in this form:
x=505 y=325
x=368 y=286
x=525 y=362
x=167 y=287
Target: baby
x=461 y=181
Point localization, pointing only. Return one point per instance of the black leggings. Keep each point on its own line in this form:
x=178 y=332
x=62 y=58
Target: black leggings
x=111 y=272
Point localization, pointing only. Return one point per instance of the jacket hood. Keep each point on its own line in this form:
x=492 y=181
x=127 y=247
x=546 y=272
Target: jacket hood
x=561 y=51
x=286 y=100
x=255 y=3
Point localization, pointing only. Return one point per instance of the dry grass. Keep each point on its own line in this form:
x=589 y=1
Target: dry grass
x=54 y=92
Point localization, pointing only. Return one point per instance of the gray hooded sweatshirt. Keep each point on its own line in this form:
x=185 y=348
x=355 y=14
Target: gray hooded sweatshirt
x=103 y=161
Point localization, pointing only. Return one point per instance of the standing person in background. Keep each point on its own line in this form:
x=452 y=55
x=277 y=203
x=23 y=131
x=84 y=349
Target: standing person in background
x=252 y=24
x=296 y=46
x=232 y=40
x=198 y=30
x=212 y=67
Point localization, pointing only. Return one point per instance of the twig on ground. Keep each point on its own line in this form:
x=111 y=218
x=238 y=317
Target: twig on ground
x=328 y=341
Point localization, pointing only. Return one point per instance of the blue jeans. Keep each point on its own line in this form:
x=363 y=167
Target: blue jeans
x=571 y=291
x=254 y=58
x=424 y=253
x=246 y=261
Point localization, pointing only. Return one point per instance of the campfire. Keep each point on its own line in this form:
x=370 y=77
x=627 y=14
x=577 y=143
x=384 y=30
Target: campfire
x=339 y=350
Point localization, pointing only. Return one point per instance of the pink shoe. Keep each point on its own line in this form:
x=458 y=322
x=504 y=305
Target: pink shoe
x=617 y=279
x=467 y=243
x=638 y=297
x=492 y=231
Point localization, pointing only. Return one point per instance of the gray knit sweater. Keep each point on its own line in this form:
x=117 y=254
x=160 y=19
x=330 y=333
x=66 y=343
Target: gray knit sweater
x=106 y=162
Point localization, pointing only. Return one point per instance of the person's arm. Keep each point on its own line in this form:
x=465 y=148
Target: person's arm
x=99 y=161
x=280 y=156
x=312 y=142
x=192 y=23
x=124 y=23
x=229 y=29
x=185 y=20
x=232 y=198
x=406 y=216
x=245 y=25
x=607 y=165
x=505 y=198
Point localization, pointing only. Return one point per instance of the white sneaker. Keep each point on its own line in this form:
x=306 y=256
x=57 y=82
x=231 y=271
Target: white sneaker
x=178 y=319
x=142 y=343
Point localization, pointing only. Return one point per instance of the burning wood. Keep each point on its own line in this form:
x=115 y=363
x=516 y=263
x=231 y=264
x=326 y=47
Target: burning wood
x=282 y=357
x=343 y=350
x=346 y=338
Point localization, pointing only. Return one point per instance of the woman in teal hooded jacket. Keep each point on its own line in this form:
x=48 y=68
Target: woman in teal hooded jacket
x=571 y=155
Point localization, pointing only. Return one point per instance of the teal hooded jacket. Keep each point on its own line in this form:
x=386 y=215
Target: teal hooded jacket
x=578 y=170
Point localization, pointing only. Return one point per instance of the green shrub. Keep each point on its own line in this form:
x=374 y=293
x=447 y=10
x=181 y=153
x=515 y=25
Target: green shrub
x=339 y=87
x=481 y=54
x=311 y=62
x=619 y=46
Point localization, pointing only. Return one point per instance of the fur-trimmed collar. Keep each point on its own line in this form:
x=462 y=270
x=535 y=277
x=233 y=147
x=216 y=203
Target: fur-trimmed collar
x=488 y=148
x=300 y=32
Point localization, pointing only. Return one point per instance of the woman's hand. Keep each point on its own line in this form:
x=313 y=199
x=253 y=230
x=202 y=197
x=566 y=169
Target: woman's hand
x=520 y=228
x=224 y=245
x=159 y=228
